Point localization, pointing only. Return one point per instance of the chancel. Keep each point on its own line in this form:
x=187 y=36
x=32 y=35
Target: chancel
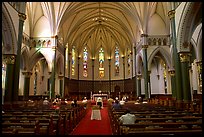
x=144 y=57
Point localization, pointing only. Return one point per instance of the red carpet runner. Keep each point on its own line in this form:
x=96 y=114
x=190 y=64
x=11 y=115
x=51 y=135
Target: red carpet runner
x=94 y=127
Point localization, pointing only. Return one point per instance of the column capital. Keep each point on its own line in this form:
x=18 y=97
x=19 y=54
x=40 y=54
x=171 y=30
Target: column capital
x=184 y=56
x=60 y=76
x=22 y=16
x=199 y=65
x=144 y=35
x=9 y=58
x=171 y=14
x=144 y=46
x=27 y=74
x=56 y=37
x=171 y=72
x=139 y=76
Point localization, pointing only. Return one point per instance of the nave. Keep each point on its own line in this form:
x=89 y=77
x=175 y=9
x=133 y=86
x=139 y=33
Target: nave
x=153 y=117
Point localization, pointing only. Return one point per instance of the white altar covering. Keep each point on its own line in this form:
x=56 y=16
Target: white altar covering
x=96 y=114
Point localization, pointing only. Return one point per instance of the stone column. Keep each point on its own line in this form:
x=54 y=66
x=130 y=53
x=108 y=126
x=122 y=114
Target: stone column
x=109 y=60
x=93 y=75
x=54 y=69
x=149 y=83
x=144 y=50
x=9 y=60
x=184 y=58
x=15 y=86
x=139 y=76
x=176 y=60
x=26 y=85
x=123 y=57
x=78 y=75
x=199 y=67
x=135 y=83
x=173 y=84
x=61 y=84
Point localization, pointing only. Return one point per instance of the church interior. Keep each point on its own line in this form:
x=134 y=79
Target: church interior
x=60 y=58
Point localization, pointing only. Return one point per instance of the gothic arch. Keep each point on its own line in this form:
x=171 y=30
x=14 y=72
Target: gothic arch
x=34 y=59
x=139 y=63
x=190 y=18
x=164 y=53
x=8 y=33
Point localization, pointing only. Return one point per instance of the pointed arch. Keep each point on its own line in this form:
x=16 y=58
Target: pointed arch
x=163 y=52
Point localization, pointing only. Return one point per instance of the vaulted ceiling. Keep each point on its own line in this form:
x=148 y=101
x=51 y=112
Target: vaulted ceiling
x=96 y=24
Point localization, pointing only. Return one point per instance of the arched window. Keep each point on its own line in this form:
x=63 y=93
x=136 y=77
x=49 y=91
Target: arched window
x=85 y=61
x=117 y=63
x=128 y=60
x=101 y=61
x=73 y=60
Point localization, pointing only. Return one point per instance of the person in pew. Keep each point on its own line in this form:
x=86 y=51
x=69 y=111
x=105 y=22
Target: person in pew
x=99 y=102
x=84 y=101
x=127 y=118
x=74 y=103
x=116 y=105
x=45 y=102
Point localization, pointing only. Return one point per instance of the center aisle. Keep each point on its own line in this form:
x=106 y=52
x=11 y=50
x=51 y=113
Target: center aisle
x=94 y=127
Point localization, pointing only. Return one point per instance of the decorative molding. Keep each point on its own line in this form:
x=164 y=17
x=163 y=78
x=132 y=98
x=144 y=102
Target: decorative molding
x=171 y=72
x=9 y=59
x=186 y=44
x=145 y=46
x=27 y=74
x=184 y=56
x=139 y=76
x=171 y=14
x=22 y=16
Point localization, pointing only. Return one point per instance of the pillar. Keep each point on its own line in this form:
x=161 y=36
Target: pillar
x=109 y=60
x=22 y=17
x=199 y=69
x=135 y=82
x=123 y=57
x=93 y=75
x=184 y=58
x=173 y=84
x=78 y=76
x=139 y=84
x=61 y=84
x=149 y=83
x=144 y=51
x=53 y=69
x=26 y=85
x=9 y=60
x=176 y=60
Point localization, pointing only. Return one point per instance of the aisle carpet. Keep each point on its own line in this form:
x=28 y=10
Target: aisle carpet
x=94 y=127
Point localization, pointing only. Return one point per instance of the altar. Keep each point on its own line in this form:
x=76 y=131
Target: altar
x=103 y=96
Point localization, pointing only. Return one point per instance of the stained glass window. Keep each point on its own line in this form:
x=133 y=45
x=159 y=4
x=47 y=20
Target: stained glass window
x=117 y=61
x=85 y=61
x=73 y=60
x=101 y=62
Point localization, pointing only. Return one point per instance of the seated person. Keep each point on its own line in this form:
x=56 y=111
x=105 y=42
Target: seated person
x=84 y=101
x=116 y=105
x=122 y=102
x=127 y=118
x=74 y=103
x=99 y=102
x=110 y=100
x=45 y=102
